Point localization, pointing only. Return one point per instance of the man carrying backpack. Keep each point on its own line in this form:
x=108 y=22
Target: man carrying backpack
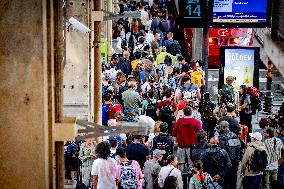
x=273 y=147
x=166 y=109
x=189 y=89
x=200 y=147
x=230 y=142
x=227 y=92
x=216 y=161
x=164 y=142
x=172 y=46
x=254 y=163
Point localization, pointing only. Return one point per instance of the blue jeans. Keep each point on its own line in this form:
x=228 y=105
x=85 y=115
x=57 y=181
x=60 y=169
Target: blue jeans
x=253 y=182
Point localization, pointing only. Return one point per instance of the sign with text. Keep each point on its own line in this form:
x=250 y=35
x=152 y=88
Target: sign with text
x=240 y=13
x=241 y=63
x=193 y=13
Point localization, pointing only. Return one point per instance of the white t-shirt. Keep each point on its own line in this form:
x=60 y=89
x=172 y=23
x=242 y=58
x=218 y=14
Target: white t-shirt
x=106 y=172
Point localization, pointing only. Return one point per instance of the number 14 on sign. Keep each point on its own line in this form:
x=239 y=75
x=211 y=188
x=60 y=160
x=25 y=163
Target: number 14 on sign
x=194 y=10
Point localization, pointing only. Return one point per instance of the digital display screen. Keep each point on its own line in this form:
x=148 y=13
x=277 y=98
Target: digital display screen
x=240 y=11
x=193 y=13
x=239 y=63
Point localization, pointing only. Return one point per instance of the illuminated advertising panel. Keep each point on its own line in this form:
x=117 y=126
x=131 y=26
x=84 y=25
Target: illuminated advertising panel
x=242 y=63
x=239 y=63
x=240 y=13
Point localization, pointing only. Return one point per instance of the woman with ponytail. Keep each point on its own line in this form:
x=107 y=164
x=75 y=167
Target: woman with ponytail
x=200 y=180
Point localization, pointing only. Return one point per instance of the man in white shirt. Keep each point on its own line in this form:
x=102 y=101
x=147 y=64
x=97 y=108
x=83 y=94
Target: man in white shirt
x=104 y=168
x=144 y=14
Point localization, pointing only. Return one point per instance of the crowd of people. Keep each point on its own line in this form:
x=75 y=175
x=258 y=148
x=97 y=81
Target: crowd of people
x=191 y=142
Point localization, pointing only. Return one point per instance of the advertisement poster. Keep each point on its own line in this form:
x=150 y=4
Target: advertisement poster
x=104 y=49
x=239 y=63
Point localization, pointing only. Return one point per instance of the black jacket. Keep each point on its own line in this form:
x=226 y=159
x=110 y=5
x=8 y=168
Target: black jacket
x=198 y=149
x=216 y=161
x=230 y=142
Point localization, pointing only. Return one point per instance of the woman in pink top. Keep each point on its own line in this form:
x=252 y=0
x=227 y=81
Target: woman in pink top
x=128 y=172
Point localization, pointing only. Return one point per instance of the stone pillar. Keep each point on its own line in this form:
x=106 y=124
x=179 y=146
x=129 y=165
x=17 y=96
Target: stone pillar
x=76 y=70
x=197 y=44
x=25 y=103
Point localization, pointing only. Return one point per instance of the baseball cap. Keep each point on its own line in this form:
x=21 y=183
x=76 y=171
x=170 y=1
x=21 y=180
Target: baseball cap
x=135 y=29
x=112 y=138
x=256 y=136
x=157 y=153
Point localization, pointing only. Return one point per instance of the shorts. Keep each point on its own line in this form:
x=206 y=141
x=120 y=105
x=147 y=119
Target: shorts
x=183 y=156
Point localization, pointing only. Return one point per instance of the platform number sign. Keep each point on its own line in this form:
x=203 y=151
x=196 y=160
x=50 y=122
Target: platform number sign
x=194 y=10
x=193 y=13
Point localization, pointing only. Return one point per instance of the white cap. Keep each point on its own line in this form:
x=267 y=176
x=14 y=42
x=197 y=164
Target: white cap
x=256 y=136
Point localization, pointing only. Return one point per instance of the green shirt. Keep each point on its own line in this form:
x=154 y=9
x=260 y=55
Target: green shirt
x=131 y=99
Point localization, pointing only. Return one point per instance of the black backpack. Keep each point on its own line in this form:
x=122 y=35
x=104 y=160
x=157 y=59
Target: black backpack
x=164 y=27
x=175 y=48
x=232 y=146
x=258 y=160
x=151 y=110
x=166 y=115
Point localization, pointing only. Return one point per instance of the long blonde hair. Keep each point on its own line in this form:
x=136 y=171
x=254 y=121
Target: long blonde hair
x=157 y=128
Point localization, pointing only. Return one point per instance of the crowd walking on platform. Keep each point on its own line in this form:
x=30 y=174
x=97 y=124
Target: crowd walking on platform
x=192 y=141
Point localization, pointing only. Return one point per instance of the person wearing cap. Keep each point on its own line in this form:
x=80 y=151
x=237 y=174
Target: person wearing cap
x=252 y=180
x=132 y=40
x=138 y=151
x=164 y=141
x=152 y=168
x=230 y=142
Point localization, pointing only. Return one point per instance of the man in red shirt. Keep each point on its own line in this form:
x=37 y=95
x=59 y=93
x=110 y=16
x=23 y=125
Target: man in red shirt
x=185 y=131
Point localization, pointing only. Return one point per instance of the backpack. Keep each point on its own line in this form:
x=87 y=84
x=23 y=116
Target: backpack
x=189 y=93
x=114 y=108
x=128 y=178
x=198 y=183
x=164 y=27
x=227 y=92
x=258 y=160
x=151 y=110
x=166 y=113
x=164 y=142
x=255 y=101
x=175 y=48
x=232 y=146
